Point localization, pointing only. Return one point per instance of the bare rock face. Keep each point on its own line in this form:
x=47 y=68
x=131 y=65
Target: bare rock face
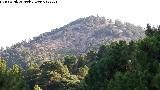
x=77 y=37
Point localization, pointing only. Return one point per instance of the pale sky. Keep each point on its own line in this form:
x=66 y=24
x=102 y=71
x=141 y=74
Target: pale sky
x=22 y=21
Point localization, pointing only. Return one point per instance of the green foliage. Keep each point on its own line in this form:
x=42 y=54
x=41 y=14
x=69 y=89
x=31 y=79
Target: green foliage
x=102 y=51
x=83 y=71
x=156 y=81
x=36 y=87
x=81 y=61
x=11 y=79
x=71 y=61
x=152 y=31
x=52 y=75
x=2 y=66
x=127 y=66
x=120 y=65
x=16 y=69
x=91 y=55
x=116 y=59
x=135 y=80
x=32 y=76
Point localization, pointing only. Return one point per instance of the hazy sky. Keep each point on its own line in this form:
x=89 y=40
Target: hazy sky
x=22 y=21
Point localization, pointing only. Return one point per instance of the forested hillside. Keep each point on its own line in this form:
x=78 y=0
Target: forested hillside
x=120 y=65
x=133 y=66
x=75 y=38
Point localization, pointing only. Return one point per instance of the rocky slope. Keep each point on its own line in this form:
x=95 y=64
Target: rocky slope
x=74 y=38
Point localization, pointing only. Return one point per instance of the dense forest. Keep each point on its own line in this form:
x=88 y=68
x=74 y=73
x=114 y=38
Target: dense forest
x=118 y=65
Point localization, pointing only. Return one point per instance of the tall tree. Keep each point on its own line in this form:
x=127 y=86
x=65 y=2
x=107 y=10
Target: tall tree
x=11 y=79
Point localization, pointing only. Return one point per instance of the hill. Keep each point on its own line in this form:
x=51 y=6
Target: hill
x=75 y=38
